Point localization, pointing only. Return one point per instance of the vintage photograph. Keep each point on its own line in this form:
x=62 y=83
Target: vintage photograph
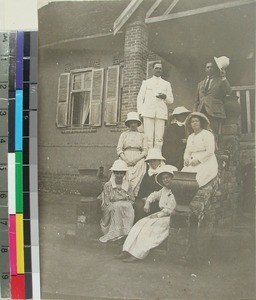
x=146 y=148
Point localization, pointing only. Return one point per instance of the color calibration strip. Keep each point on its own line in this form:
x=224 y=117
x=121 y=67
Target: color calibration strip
x=4 y=95
x=20 y=276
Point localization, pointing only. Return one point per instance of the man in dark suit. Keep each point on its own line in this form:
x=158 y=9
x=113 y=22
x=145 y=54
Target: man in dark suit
x=210 y=96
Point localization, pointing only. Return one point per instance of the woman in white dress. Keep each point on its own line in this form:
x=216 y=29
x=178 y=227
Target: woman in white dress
x=132 y=148
x=151 y=231
x=116 y=204
x=199 y=157
x=199 y=154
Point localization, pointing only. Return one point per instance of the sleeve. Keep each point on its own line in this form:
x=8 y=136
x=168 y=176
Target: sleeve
x=208 y=139
x=166 y=211
x=169 y=96
x=154 y=196
x=120 y=144
x=105 y=196
x=197 y=100
x=226 y=88
x=141 y=97
x=187 y=152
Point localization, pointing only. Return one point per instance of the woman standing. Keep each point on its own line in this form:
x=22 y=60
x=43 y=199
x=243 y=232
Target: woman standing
x=132 y=148
x=116 y=204
x=199 y=154
x=175 y=138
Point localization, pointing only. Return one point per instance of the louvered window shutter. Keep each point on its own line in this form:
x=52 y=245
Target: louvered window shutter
x=150 y=68
x=96 y=97
x=62 y=100
x=112 y=95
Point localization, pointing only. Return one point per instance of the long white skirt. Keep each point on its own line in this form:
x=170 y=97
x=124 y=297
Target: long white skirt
x=117 y=220
x=137 y=172
x=146 y=234
x=205 y=171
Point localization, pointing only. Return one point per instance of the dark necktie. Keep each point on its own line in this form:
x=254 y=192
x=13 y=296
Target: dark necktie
x=207 y=84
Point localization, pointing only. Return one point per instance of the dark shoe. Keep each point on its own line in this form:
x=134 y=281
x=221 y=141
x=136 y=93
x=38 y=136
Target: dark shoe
x=122 y=255
x=130 y=259
x=120 y=242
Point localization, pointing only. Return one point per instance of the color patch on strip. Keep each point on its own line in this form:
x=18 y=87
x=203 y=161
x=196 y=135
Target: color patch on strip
x=12 y=244
x=20 y=243
x=19 y=60
x=19 y=182
x=18 y=120
x=18 y=286
x=11 y=184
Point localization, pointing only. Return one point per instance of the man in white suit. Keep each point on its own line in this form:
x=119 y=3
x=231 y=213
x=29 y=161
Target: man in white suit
x=153 y=96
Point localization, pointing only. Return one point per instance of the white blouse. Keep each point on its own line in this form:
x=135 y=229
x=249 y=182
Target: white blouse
x=132 y=140
x=200 y=146
x=166 y=200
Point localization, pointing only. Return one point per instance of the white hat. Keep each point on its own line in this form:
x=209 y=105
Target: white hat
x=132 y=116
x=222 y=62
x=196 y=114
x=154 y=153
x=119 y=165
x=165 y=169
x=180 y=110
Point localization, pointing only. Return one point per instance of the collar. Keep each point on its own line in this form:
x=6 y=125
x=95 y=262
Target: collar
x=152 y=172
x=178 y=122
x=125 y=184
x=168 y=191
x=156 y=78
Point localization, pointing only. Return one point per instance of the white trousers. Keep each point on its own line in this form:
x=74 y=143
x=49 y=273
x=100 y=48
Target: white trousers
x=154 y=132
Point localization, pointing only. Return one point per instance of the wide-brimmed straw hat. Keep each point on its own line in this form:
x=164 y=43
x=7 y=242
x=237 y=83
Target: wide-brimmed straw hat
x=165 y=169
x=180 y=110
x=222 y=62
x=132 y=116
x=154 y=153
x=119 y=165
x=200 y=115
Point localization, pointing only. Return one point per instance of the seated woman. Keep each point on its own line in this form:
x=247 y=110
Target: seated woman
x=149 y=185
x=199 y=157
x=151 y=231
x=117 y=204
x=175 y=138
x=132 y=148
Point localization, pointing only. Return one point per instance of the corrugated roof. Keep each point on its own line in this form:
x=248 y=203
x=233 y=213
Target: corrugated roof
x=64 y=20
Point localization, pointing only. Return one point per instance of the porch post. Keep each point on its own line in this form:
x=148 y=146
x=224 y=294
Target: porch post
x=135 y=60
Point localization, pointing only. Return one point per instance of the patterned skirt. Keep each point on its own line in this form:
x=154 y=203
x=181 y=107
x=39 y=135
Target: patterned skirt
x=137 y=172
x=117 y=220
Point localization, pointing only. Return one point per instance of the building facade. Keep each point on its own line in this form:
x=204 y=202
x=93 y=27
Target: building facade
x=94 y=55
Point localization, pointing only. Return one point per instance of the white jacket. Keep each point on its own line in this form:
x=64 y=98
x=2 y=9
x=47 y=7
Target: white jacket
x=148 y=105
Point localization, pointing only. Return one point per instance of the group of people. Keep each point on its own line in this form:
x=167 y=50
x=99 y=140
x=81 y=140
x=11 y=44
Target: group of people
x=137 y=201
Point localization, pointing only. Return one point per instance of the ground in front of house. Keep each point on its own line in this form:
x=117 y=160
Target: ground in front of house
x=74 y=270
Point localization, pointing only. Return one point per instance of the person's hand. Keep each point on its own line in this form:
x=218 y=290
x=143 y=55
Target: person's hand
x=147 y=207
x=130 y=163
x=223 y=73
x=184 y=141
x=194 y=162
x=161 y=96
x=186 y=162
